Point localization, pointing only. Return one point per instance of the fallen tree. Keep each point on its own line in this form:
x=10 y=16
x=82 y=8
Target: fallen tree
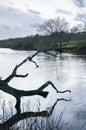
x=4 y=86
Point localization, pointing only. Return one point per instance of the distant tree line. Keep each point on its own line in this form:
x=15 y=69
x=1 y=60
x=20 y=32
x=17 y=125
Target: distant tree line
x=55 y=33
x=39 y=42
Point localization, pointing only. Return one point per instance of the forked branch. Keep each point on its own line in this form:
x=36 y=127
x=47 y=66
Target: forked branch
x=14 y=73
x=4 y=86
x=50 y=83
x=19 y=93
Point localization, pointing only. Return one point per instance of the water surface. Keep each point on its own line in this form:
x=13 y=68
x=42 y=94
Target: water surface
x=66 y=71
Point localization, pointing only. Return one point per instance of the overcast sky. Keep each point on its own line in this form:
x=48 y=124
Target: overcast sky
x=20 y=18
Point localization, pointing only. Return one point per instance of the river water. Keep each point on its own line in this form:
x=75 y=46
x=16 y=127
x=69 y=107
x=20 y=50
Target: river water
x=66 y=71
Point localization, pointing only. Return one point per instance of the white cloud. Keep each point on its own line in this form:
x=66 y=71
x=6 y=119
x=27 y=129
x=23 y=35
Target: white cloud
x=22 y=17
x=15 y=23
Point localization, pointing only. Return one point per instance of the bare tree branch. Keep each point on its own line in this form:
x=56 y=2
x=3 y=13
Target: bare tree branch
x=50 y=83
x=19 y=93
x=22 y=76
x=50 y=53
x=18 y=117
x=35 y=63
x=10 y=77
x=4 y=86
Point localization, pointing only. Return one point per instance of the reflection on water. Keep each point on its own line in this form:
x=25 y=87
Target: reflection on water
x=67 y=71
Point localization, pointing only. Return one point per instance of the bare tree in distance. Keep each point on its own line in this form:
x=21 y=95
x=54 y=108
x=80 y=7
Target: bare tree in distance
x=84 y=27
x=76 y=29
x=52 y=27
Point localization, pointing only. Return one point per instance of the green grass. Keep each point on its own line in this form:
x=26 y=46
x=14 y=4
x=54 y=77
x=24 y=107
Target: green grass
x=74 y=44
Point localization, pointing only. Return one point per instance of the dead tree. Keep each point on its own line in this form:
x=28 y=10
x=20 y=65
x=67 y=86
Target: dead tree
x=4 y=85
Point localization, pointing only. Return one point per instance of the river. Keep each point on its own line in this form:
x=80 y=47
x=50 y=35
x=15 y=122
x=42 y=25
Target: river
x=66 y=71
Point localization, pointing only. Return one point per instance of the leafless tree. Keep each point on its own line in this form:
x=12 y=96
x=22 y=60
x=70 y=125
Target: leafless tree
x=84 y=28
x=52 y=27
x=76 y=29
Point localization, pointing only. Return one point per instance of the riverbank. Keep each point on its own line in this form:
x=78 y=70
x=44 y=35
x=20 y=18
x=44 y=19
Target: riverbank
x=72 y=46
x=78 y=47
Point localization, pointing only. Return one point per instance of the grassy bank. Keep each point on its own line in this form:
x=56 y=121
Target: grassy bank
x=78 y=47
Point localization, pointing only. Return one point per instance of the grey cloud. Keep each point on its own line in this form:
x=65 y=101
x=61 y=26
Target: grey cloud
x=16 y=23
x=80 y=3
x=33 y=11
x=35 y=25
x=5 y=27
x=81 y=17
x=63 y=12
